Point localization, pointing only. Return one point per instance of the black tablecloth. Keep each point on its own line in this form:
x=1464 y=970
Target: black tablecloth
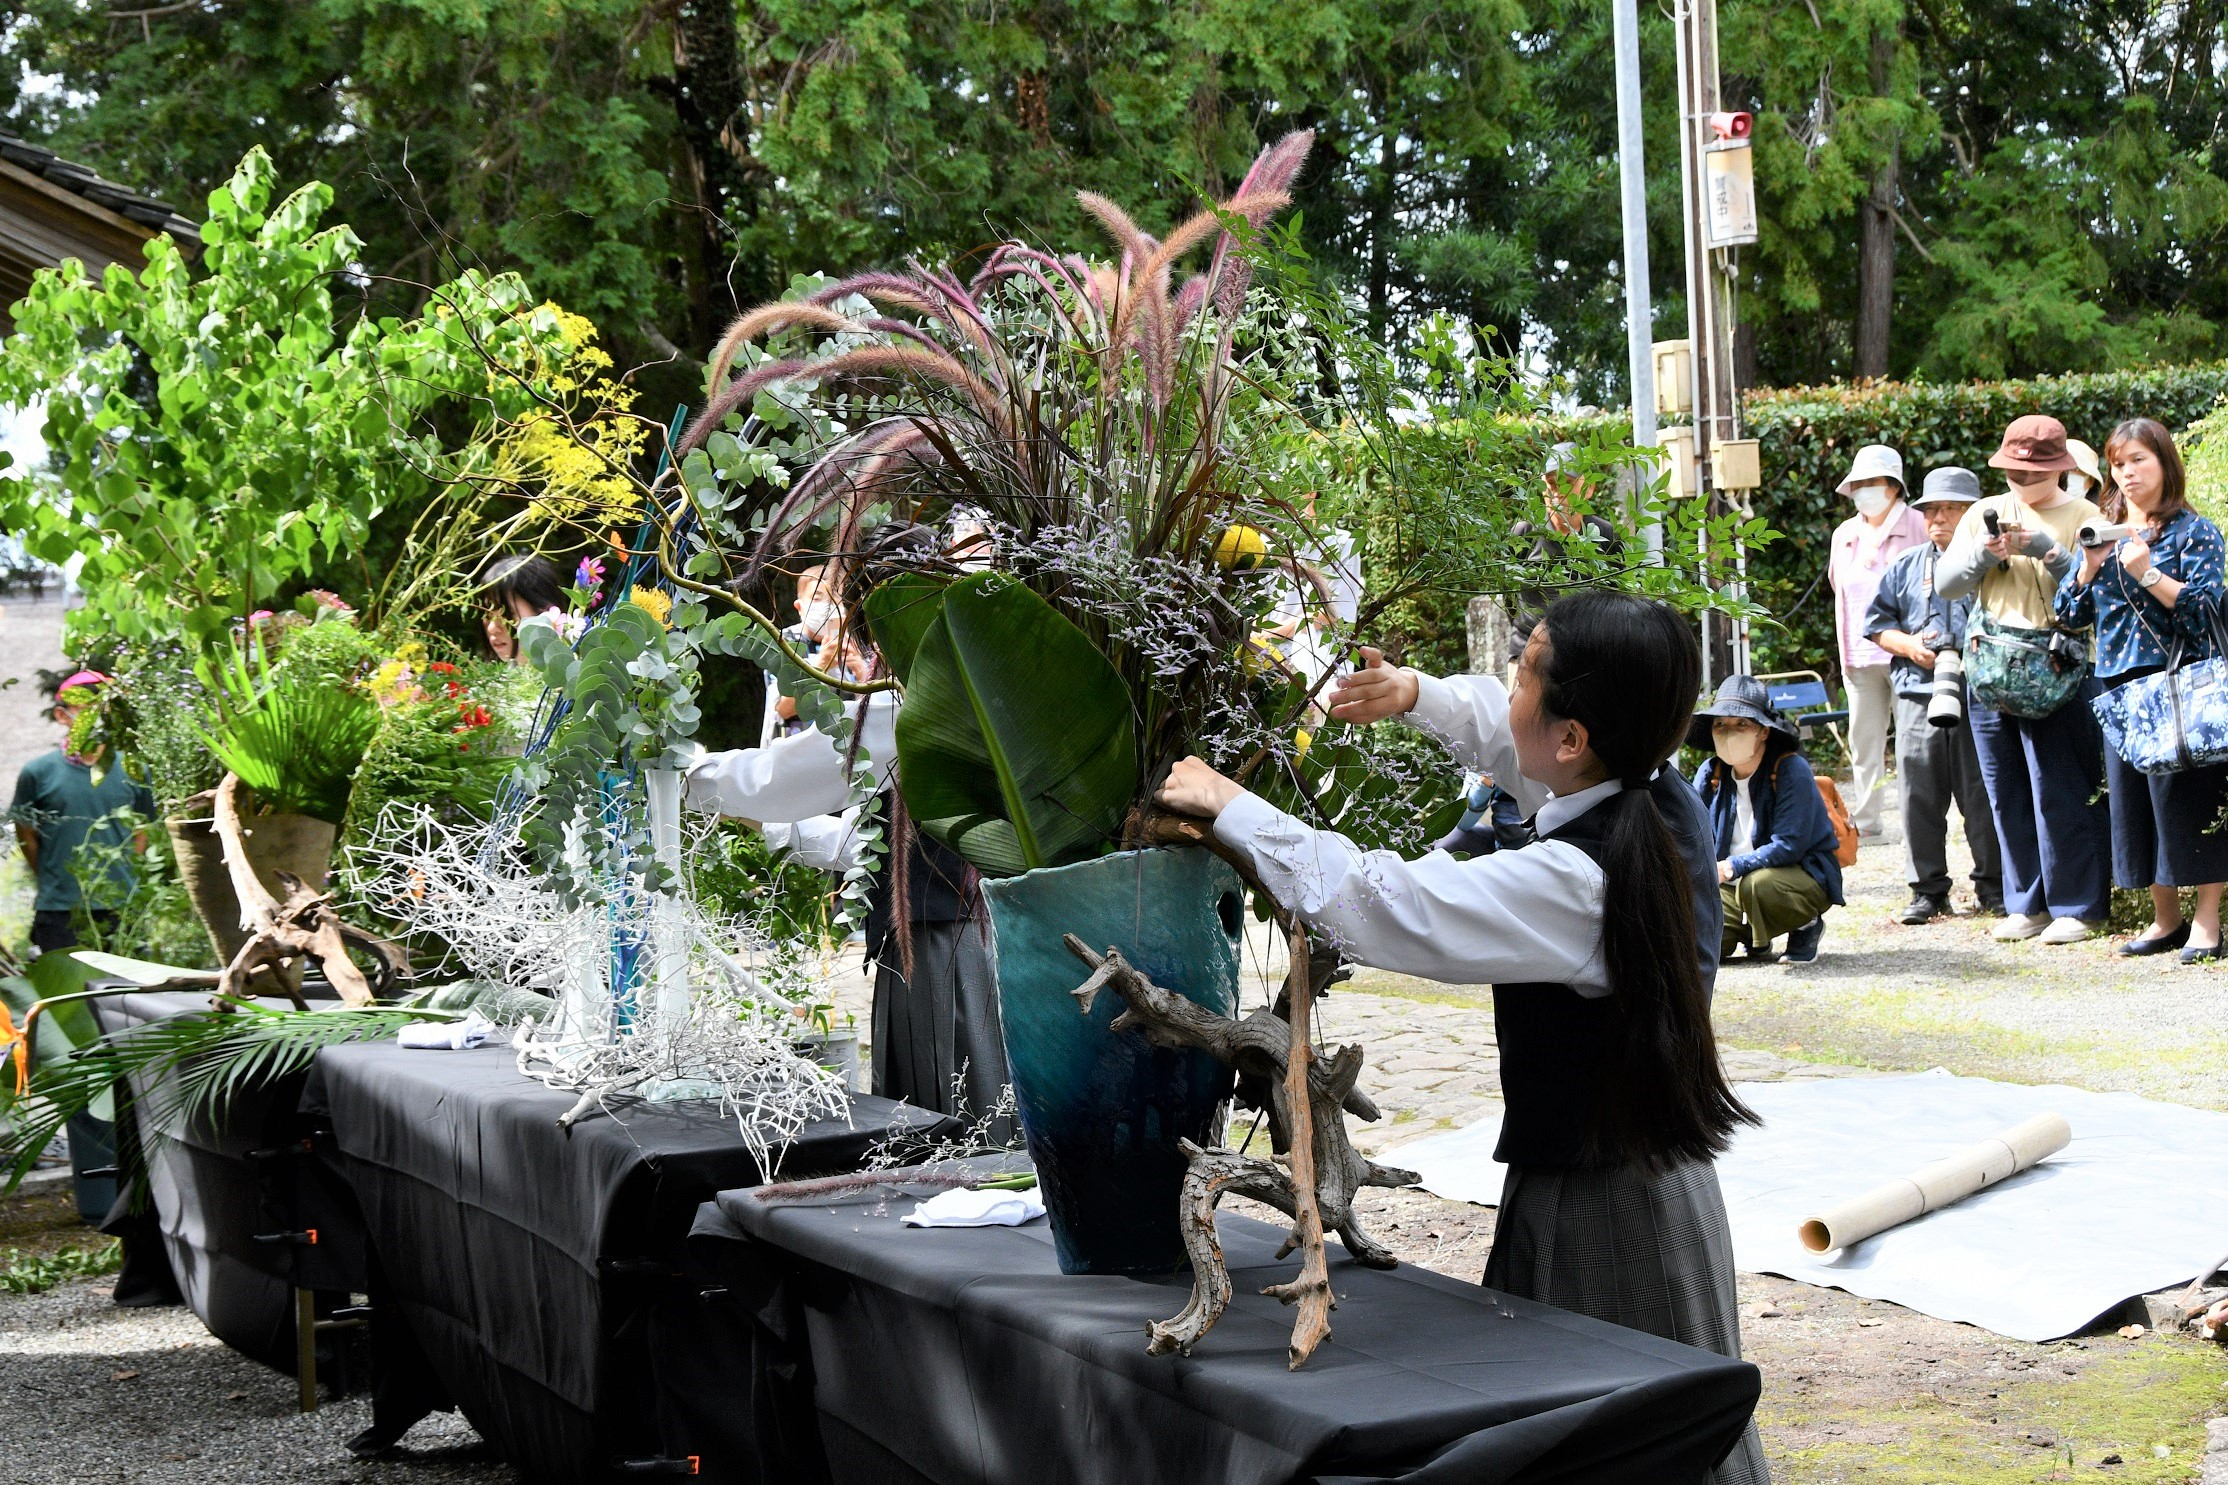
x=528 y=1262
x=238 y=1198
x=963 y=1355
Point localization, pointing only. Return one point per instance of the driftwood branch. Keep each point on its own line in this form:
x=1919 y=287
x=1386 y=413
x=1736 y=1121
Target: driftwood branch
x=1305 y=1099
x=303 y=925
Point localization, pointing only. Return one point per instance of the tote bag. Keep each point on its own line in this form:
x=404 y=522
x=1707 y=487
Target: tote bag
x=2026 y=673
x=2176 y=718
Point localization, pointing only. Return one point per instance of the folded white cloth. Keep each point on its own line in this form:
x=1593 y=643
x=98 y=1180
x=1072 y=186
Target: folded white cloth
x=448 y=1036
x=960 y=1207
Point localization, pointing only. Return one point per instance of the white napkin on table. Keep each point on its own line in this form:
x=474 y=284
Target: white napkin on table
x=448 y=1036
x=960 y=1207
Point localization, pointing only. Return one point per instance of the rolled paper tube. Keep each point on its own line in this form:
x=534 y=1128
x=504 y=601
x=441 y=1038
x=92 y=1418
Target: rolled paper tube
x=1937 y=1185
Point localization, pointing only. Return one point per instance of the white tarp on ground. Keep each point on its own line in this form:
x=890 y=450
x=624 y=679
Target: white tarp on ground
x=2137 y=1203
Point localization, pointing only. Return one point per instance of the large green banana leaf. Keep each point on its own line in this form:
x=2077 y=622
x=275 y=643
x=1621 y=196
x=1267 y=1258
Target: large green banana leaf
x=898 y=613
x=1015 y=744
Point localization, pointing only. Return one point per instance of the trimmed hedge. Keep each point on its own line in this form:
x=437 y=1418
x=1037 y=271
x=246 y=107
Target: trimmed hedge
x=1810 y=433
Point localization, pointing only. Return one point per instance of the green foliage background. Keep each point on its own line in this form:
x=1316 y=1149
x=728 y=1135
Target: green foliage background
x=2059 y=173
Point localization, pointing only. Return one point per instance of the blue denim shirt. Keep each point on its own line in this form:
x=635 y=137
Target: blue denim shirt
x=1908 y=602
x=2134 y=631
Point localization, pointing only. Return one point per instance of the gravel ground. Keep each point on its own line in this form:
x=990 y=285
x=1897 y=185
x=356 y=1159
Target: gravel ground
x=96 y=1393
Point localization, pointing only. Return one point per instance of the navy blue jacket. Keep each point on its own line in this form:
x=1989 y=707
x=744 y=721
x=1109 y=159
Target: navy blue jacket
x=1792 y=826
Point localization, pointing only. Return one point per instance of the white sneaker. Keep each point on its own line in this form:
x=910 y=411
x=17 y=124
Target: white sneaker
x=2071 y=930
x=2017 y=926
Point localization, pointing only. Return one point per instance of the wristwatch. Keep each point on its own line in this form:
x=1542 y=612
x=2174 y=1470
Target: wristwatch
x=2150 y=578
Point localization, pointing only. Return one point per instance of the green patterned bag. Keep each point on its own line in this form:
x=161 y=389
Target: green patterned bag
x=2026 y=673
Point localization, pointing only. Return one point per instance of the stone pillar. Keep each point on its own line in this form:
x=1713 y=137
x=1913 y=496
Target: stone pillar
x=1489 y=628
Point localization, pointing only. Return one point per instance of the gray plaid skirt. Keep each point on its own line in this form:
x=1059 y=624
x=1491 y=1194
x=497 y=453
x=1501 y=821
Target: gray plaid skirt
x=1650 y=1252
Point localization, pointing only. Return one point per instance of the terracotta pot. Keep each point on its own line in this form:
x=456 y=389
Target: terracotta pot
x=297 y=844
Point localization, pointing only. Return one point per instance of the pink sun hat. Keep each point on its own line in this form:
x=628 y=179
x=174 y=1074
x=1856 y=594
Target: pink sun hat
x=82 y=678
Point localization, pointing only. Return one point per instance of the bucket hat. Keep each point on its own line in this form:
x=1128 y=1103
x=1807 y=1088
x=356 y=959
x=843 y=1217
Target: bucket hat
x=1949 y=485
x=2085 y=460
x=1874 y=461
x=1562 y=459
x=1741 y=696
x=2034 y=443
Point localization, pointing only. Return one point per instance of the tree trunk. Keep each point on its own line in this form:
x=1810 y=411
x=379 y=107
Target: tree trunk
x=1876 y=237
x=708 y=97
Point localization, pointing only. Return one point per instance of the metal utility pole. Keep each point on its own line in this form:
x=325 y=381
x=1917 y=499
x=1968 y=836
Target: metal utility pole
x=1709 y=300
x=1639 y=312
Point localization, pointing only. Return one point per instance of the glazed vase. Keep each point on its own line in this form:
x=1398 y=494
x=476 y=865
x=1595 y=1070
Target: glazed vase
x=1103 y=1111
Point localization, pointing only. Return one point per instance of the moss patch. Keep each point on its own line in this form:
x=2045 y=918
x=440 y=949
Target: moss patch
x=2157 y=1392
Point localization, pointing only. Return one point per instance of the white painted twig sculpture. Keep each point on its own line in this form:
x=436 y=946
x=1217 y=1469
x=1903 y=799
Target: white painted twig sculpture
x=303 y=925
x=1305 y=1101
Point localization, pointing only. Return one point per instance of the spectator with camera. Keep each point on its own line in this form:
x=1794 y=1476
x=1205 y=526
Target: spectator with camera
x=1883 y=529
x=2149 y=581
x=2028 y=688
x=1934 y=759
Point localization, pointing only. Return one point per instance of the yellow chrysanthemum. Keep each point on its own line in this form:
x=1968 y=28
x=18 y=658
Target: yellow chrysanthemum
x=658 y=605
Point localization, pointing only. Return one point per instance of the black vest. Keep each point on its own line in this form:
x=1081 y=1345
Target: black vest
x=1555 y=1043
x=938 y=884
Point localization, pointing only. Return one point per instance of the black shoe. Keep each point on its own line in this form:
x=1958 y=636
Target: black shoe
x=1992 y=907
x=1924 y=907
x=2165 y=943
x=1802 y=944
x=2199 y=953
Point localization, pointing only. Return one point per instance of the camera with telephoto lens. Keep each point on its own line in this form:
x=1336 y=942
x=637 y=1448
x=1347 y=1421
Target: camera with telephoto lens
x=2098 y=534
x=1946 y=707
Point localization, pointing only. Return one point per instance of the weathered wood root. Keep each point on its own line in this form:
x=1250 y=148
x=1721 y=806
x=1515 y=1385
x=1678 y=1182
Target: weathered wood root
x=303 y=925
x=1260 y=1047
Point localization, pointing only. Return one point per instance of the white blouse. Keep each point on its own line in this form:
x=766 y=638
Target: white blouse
x=796 y=777
x=1530 y=915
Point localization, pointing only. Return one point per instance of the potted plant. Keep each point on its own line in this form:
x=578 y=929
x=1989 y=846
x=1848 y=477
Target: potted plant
x=1134 y=452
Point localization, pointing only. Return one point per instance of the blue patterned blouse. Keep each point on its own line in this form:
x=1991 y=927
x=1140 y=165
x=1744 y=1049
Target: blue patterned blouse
x=2134 y=631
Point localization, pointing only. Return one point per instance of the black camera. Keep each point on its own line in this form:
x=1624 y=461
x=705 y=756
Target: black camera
x=1946 y=707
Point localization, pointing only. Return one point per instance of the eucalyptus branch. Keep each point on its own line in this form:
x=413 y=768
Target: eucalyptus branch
x=773 y=630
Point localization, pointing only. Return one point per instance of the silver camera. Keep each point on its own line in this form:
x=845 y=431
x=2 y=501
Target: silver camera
x=1946 y=707
x=2099 y=534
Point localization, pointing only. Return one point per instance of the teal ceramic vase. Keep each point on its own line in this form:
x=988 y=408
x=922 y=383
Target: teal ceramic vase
x=1102 y=1111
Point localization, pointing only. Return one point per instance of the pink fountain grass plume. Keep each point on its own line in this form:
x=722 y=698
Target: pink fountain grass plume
x=763 y=320
x=1273 y=172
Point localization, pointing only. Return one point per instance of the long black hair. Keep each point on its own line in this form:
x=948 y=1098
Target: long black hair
x=1628 y=669
x=523 y=577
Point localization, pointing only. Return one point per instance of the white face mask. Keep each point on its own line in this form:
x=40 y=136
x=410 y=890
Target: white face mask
x=816 y=614
x=2077 y=484
x=1871 y=500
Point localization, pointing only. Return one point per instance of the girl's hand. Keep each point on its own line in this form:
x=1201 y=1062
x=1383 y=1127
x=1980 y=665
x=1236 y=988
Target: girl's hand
x=1193 y=788
x=2092 y=563
x=2135 y=556
x=1375 y=692
x=1725 y=871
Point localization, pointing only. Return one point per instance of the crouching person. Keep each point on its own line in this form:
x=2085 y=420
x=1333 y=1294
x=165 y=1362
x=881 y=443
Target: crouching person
x=1776 y=868
x=1934 y=764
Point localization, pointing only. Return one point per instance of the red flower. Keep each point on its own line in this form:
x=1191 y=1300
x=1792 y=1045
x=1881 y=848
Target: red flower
x=441 y=667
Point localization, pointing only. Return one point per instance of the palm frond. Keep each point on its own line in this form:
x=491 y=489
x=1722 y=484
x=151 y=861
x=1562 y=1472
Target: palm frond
x=182 y=1070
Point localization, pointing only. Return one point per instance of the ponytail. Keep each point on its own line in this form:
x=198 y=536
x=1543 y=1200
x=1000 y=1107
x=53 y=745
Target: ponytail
x=1628 y=669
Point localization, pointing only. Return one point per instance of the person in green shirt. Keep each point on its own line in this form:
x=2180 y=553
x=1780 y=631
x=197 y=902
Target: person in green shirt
x=62 y=801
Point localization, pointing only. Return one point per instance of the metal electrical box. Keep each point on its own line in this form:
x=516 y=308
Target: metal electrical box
x=1678 y=457
x=1736 y=464
x=1674 y=378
